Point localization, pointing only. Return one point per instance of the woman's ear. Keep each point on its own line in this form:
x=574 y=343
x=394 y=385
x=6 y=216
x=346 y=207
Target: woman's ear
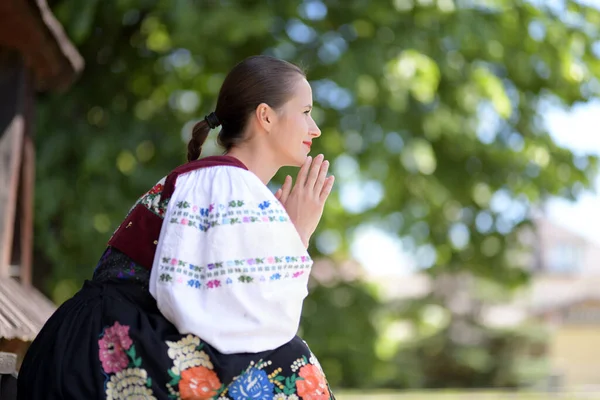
x=265 y=116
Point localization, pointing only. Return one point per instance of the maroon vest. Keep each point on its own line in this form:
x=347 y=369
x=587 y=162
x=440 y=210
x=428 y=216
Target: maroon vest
x=137 y=236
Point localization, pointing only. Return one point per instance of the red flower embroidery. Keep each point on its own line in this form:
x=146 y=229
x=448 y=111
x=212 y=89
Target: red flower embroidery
x=314 y=385
x=198 y=383
x=156 y=189
x=112 y=348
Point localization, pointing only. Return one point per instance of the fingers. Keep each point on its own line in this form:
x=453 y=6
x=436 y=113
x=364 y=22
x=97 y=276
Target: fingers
x=327 y=188
x=286 y=188
x=303 y=173
x=322 y=176
x=314 y=171
x=278 y=194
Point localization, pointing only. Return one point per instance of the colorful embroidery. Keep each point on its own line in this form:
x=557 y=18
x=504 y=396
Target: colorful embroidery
x=252 y=384
x=130 y=271
x=199 y=383
x=313 y=385
x=232 y=213
x=113 y=345
x=192 y=371
x=281 y=396
x=121 y=364
x=217 y=274
x=193 y=377
x=151 y=199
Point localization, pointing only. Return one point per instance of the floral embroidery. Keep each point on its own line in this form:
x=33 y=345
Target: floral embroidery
x=156 y=189
x=193 y=373
x=313 y=386
x=151 y=200
x=130 y=271
x=187 y=353
x=192 y=370
x=232 y=213
x=281 y=396
x=299 y=363
x=262 y=269
x=132 y=383
x=119 y=361
x=113 y=345
x=253 y=384
x=199 y=383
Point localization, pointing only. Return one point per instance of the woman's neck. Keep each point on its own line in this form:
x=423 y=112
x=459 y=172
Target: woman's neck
x=257 y=159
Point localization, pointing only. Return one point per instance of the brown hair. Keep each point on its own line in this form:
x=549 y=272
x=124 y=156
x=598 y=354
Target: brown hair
x=256 y=80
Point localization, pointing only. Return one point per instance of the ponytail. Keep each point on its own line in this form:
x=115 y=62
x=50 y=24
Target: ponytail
x=199 y=134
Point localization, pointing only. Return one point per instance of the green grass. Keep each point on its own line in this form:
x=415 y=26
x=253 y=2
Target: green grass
x=470 y=395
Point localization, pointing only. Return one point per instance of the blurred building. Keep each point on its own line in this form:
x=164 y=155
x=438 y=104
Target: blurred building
x=35 y=56
x=564 y=297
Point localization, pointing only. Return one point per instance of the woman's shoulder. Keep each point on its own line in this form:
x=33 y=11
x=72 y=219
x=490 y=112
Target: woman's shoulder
x=210 y=164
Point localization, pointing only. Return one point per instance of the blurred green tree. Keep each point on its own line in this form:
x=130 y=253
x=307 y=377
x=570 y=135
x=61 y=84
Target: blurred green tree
x=432 y=112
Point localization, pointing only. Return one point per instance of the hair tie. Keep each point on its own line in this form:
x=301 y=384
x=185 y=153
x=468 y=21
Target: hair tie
x=212 y=120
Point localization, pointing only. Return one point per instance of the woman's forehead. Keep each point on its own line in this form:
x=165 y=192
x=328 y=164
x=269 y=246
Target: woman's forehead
x=302 y=92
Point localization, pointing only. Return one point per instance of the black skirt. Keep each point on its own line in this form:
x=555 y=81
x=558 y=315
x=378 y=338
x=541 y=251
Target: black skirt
x=110 y=341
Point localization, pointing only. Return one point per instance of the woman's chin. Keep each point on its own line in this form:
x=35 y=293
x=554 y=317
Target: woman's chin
x=296 y=162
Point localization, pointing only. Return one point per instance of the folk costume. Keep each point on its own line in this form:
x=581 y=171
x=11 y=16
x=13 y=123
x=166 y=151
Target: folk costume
x=197 y=296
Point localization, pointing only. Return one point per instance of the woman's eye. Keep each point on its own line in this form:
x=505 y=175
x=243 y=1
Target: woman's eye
x=307 y=112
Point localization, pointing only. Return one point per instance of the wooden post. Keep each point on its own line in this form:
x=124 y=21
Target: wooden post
x=13 y=111
x=11 y=146
x=26 y=210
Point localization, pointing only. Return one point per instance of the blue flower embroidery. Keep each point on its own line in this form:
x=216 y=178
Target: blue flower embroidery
x=264 y=205
x=254 y=384
x=194 y=283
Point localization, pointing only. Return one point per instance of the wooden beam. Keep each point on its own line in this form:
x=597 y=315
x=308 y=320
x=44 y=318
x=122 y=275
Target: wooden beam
x=11 y=145
x=26 y=210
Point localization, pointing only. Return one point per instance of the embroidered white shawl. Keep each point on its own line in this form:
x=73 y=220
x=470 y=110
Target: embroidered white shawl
x=230 y=266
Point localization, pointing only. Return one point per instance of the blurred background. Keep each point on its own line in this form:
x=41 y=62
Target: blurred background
x=459 y=254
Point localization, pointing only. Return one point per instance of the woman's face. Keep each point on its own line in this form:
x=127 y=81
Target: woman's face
x=295 y=129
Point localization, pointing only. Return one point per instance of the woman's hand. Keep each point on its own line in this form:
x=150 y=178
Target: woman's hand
x=305 y=201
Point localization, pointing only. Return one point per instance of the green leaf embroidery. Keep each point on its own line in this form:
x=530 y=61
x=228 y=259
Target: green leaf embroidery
x=290 y=385
x=174 y=378
x=131 y=352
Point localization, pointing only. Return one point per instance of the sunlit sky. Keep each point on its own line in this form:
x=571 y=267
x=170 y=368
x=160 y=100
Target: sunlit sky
x=577 y=130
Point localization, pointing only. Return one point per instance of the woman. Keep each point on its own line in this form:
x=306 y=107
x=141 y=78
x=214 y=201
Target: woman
x=199 y=292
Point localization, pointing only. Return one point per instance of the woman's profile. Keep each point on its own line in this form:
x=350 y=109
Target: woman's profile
x=199 y=292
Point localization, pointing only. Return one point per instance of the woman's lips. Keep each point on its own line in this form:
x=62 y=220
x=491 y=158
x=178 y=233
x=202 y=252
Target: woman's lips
x=308 y=144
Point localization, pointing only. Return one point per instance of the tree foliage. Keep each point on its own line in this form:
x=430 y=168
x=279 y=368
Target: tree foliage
x=431 y=111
